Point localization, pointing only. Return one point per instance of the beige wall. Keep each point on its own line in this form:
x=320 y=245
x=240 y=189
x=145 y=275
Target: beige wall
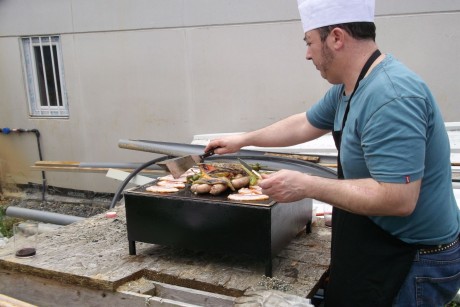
x=166 y=70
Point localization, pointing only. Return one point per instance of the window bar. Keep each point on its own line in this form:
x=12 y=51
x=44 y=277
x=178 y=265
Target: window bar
x=45 y=80
x=32 y=108
x=37 y=106
x=58 y=102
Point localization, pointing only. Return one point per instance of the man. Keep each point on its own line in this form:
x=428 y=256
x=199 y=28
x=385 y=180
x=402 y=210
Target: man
x=395 y=222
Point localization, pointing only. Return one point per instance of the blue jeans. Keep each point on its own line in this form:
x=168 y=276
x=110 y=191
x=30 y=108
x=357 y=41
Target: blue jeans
x=433 y=280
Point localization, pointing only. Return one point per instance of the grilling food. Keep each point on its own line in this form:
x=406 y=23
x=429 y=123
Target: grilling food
x=198 y=188
x=247 y=197
x=220 y=177
x=170 y=178
x=168 y=184
x=253 y=193
x=255 y=189
x=240 y=181
x=217 y=189
x=171 y=184
x=160 y=189
x=214 y=179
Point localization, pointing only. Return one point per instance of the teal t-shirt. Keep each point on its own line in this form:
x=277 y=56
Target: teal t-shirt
x=395 y=133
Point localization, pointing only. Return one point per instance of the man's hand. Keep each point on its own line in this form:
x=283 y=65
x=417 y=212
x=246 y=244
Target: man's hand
x=285 y=186
x=361 y=196
x=225 y=145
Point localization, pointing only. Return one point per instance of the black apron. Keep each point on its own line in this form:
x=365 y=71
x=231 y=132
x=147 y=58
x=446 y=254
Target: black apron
x=368 y=265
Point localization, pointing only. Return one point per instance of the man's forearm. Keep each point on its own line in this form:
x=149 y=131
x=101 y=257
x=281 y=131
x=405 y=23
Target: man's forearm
x=290 y=131
x=366 y=196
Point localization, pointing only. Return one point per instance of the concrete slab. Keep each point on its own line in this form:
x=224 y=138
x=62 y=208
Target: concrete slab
x=93 y=254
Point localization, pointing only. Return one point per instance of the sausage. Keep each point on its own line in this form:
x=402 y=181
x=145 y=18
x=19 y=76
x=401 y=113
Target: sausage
x=218 y=188
x=202 y=188
x=240 y=182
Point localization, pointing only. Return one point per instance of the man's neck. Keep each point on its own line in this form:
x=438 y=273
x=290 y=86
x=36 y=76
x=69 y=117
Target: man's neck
x=357 y=57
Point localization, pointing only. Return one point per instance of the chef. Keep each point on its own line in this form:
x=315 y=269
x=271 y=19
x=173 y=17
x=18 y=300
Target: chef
x=395 y=224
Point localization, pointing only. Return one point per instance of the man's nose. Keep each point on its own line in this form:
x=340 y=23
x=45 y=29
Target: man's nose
x=308 y=55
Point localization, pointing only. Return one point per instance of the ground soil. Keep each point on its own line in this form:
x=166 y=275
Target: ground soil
x=63 y=201
x=62 y=207
x=58 y=200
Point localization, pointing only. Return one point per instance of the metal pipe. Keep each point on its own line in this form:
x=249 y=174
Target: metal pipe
x=42 y=216
x=182 y=149
x=173 y=149
x=37 y=134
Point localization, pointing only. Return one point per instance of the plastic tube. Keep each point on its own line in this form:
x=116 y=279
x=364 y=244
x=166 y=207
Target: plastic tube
x=42 y=216
x=117 y=195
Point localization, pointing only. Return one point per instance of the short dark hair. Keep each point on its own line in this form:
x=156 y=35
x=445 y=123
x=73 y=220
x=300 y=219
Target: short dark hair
x=357 y=30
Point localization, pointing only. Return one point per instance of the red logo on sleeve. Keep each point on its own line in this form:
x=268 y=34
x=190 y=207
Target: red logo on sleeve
x=407 y=179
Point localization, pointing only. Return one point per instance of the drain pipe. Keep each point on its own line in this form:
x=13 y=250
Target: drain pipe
x=37 y=134
x=42 y=216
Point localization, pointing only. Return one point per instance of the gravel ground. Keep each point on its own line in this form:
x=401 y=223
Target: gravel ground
x=62 y=207
x=63 y=201
x=68 y=202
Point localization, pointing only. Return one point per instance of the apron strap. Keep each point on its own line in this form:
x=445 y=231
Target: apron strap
x=363 y=72
x=338 y=136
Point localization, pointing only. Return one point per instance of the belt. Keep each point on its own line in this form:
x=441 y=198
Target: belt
x=431 y=249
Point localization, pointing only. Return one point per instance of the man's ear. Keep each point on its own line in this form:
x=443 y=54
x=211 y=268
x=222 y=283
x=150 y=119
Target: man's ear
x=337 y=37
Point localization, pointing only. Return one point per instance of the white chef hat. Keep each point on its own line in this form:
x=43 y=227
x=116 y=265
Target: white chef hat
x=320 y=13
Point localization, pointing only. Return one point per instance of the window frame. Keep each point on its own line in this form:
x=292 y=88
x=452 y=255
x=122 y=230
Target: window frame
x=37 y=107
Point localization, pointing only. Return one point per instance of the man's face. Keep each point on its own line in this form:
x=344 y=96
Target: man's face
x=320 y=54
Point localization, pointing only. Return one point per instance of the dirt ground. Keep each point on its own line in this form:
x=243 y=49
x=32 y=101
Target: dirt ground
x=63 y=201
x=58 y=200
x=58 y=206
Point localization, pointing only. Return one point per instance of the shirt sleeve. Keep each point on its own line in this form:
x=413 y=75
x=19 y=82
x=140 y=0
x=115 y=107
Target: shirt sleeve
x=394 y=140
x=322 y=114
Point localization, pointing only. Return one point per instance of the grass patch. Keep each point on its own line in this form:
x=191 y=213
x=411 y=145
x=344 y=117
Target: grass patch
x=6 y=222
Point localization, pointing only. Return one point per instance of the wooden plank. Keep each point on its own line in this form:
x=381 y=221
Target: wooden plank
x=331 y=165
x=192 y=296
x=58 y=163
x=309 y=158
x=45 y=292
x=9 y=301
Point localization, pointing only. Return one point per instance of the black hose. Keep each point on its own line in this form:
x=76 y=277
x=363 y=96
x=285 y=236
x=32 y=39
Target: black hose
x=44 y=185
x=117 y=195
x=37 y=134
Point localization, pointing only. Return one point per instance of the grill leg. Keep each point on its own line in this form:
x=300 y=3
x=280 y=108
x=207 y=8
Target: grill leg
x=268 y=267
x=308 y=227
x=132 y=247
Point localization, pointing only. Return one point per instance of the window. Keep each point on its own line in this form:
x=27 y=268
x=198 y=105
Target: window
x=45 y=76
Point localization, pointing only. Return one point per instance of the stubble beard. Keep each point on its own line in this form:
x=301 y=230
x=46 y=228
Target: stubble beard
x=327 y=58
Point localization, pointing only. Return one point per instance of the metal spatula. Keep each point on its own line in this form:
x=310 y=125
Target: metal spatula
x=178 y=166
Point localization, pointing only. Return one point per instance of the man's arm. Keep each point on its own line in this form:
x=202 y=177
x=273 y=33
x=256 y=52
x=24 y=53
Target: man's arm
x=290 y=131
x=360 y=196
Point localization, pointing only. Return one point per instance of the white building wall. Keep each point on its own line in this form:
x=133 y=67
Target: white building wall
x=167 y=70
